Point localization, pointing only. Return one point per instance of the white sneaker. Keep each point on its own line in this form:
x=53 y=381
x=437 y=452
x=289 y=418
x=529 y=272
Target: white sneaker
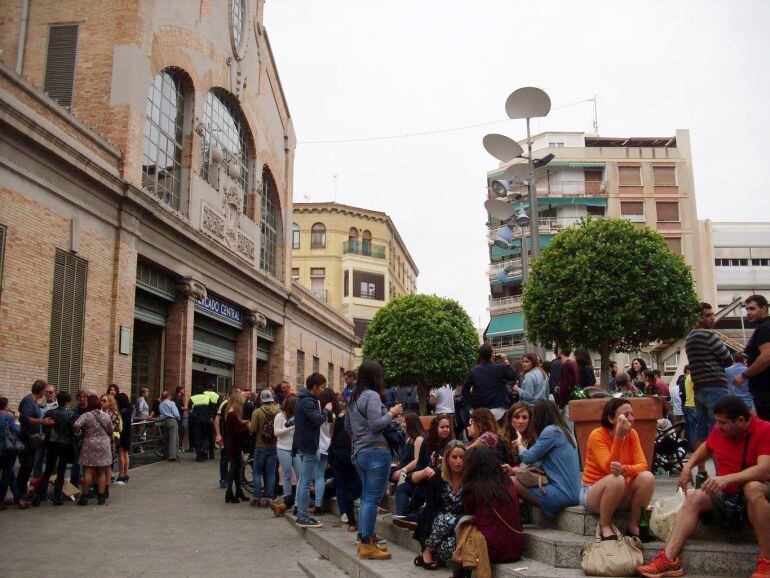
x=344 y=518
x=120 y=483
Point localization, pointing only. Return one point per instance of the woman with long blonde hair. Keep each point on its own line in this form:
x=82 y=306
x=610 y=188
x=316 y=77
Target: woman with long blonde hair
x=237 y=431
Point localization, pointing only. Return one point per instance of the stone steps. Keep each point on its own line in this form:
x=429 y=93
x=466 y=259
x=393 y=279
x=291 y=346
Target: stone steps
x=320 y=568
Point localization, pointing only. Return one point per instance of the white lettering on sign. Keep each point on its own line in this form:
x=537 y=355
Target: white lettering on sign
x=222 y=309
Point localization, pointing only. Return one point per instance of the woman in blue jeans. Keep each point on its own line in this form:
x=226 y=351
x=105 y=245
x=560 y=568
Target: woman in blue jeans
x=366 y=419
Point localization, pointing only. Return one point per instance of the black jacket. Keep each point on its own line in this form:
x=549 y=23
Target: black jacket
x=61 y=432
x=308 y=417
x=485 y=385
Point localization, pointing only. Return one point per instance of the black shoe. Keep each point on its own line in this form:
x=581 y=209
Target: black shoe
x=58 y=501
x=101 y=499
x=83 y=501
x=107 y=492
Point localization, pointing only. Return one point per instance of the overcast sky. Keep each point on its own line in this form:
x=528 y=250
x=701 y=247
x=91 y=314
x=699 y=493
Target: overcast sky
x=355 y=69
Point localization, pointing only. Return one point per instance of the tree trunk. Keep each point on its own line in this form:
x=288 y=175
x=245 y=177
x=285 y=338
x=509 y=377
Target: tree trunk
x=604 y=377
x=423 y=392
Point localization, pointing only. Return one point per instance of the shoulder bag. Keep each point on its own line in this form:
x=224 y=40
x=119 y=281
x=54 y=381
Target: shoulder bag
x=11 y=445
x=531 y=477
x=611 y=557
x=393 y=433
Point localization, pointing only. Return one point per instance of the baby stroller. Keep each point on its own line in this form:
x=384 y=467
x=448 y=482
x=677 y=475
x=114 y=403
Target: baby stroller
x=670 y=449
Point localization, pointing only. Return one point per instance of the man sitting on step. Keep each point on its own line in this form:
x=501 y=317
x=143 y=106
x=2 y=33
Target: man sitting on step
x=740 y=446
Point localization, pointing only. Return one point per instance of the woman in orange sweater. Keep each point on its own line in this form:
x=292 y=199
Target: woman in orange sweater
x=615 y=473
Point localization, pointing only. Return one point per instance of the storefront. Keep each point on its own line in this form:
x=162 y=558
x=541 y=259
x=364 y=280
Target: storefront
x=154 y=295
x=215 y=335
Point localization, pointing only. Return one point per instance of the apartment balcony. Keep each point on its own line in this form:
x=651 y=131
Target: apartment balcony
x=320 y=294
x=498 y=306
x=572 y=189
x=495 y=268
x=548 y=225
x=364 y=248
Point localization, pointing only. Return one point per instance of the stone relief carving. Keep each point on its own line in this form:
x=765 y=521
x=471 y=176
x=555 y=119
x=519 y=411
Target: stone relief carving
x=246 y=246
x=255 y=318
x=213 y=224
x=231 y=205
x=188 y=287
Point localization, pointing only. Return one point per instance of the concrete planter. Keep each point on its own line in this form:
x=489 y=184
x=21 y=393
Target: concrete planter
x=587 y=413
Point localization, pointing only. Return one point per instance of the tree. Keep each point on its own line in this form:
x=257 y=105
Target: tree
x=608 y=285
x=422 y=336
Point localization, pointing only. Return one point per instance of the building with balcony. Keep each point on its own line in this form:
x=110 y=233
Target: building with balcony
x=646 y=180
x=145 y=203
x=351 y=258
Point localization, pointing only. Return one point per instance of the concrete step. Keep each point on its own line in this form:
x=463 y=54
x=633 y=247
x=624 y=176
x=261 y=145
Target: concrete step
x=320 y=568
x=577 y=521
x=562 y=550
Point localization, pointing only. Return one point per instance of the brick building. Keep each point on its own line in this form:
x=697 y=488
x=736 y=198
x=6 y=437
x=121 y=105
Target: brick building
x=146 y=161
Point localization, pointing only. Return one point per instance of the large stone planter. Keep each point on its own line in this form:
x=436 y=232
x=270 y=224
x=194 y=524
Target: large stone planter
x=587 y=413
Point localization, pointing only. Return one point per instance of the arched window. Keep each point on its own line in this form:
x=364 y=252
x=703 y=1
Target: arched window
x=366 y=243
x=227 y=129
x=270 y=225
x=318 y=236
x=295 y=236
x=237 y=21
x=163 y=137
x=352 y=234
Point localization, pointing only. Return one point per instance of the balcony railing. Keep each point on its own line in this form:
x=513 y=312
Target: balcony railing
x=566 y=189
x=364 y=248
x=512 y=340
x=504 y=304
x=495 y=268
x=548 y=225
x=320 y=294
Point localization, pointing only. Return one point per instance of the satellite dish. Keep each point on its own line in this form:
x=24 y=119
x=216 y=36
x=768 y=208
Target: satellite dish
x=501 y=147
x=528 y=102
x=499 y=209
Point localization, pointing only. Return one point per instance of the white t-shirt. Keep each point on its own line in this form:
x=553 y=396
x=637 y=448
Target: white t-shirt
x=676 y=400
x=445 y=399
x=325 y=438
x=142 y=409
x=284 y=435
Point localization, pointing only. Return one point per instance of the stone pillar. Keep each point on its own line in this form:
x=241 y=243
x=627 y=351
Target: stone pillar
x=246 y=351
x=123 y=293
x=179 y=336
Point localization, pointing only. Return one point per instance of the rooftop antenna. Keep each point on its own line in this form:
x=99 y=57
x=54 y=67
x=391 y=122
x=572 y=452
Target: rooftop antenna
x=596 y=117
x=334 y=180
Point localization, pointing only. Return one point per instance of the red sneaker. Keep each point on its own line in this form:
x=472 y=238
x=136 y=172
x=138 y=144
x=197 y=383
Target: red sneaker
x=660 y=567
x=763 y=568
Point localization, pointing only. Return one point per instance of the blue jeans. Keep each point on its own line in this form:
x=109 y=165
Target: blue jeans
x=690 y=426
x=8 y=478
x=373 y=468
x=288 y=463
x=404 y=493
x=307 y=467
x=705 y=399
x=264 y=463
x=320 y=479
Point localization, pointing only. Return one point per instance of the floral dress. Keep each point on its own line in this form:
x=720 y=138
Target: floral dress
x=442 y=540
x=95 y=429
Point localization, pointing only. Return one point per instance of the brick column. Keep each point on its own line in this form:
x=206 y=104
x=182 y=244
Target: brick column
x=246 y=352
x=179 y=336
x=123 y=293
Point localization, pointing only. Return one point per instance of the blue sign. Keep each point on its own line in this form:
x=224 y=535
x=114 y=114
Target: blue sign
x=221 y=309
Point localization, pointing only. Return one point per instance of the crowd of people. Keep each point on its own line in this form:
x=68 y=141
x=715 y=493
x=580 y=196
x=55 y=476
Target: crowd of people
x=497 y=445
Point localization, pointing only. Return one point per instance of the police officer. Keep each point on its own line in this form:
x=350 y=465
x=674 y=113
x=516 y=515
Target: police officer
x=213 y=406
x=199 y=424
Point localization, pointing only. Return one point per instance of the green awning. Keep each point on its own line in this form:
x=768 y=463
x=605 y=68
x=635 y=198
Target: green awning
x=505 y=324
x=498 y=253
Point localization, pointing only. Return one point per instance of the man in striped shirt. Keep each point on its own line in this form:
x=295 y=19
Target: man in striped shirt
x=707 y=357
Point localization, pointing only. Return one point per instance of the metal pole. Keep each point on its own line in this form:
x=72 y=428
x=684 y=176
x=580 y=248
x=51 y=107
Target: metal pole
x=743 y=327
x=524 y=257
x=534 y=223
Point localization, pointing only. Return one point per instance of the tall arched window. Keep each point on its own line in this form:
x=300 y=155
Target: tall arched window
x=295 y=236
x=366 y=243
x=227 y=129
x=318 y=236
x=270 y=225
x=353 y=234
x=163 y=137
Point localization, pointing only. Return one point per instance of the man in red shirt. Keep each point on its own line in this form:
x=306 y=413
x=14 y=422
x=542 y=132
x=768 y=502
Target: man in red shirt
x=740 y=446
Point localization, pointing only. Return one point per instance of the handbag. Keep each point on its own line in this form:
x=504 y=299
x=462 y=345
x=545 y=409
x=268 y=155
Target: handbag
x=611 y=557
x=394 y=434
x=531 y=477
x=12 y=445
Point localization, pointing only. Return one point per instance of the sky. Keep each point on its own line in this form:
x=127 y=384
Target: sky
x=358 y=69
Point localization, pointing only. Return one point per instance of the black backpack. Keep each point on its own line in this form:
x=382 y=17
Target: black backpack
x=267 y=431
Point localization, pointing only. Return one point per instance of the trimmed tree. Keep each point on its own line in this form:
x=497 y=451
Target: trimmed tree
x=422 y=336
x=608 y=285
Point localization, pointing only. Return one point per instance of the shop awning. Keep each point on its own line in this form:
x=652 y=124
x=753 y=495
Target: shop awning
x=505 y=324
x=577 y=165
x=499 y=253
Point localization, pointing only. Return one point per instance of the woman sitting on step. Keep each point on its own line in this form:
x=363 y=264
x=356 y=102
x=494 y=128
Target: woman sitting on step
x=615 y=473
x=517 y=420
x=490 y=497
x=415 y=436
x=483 y=430
x=556 y=452
x=443 y=507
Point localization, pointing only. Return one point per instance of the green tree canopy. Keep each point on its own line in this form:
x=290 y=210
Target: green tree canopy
x=608 y=285
x=422 y=336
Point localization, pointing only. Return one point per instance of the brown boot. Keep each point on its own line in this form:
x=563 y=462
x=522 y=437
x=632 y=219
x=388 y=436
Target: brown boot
x=370 y=551
x=277 y=507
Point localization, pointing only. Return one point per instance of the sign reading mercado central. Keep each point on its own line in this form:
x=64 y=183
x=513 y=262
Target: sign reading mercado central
x=221 y=309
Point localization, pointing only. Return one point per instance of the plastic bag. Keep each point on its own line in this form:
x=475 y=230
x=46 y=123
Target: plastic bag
x=664 y=513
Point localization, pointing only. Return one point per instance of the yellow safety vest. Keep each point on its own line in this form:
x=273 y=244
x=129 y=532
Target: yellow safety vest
x=200 y=400
x=212 y=395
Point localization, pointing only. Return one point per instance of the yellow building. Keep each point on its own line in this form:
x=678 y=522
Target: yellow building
x=353 y=259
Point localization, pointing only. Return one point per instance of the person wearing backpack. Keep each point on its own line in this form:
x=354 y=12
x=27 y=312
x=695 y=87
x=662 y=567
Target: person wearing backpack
x=265 y=454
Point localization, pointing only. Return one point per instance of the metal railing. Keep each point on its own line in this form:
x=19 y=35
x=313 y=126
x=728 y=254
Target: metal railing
x=498 y=305
x=510 y=340
x=547 y=225
x=566 y=189
x=320 y=294
x=365 y=248
x=495 y=268
x=148 y=437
